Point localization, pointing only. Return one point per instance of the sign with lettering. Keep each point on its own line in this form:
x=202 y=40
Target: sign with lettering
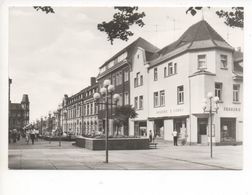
x=171 y=110
x=232 y=109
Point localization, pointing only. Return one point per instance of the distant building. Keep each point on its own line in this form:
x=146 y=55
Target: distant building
x=79 y=114
x=18 y=112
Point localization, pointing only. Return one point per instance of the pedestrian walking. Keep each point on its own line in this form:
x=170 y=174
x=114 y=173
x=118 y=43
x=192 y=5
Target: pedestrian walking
x=33 y=136
x=175 y=137
x=14 y=135
x=150 y=136
x=27 y=136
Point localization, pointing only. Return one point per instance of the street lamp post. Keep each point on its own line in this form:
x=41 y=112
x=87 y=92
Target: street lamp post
x=105 y=91
x=212 y=104
x=59 y=126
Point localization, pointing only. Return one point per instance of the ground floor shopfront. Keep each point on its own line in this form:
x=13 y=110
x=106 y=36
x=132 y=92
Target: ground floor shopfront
x=194 y=129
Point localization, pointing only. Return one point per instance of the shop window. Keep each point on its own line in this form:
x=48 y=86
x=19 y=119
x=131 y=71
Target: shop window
x=236 y=91
x=156 y=99
x=141 y=102
x=223 y=61
x=180 y=92
x=218 y=90
x=155 y=74
x=162 y=98
x=202 y=62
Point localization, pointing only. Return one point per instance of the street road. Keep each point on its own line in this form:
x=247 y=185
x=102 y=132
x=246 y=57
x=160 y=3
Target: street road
x=45 y=155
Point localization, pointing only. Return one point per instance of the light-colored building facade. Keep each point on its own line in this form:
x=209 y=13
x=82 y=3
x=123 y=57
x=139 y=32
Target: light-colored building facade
x=118 y=69
x=79 y=113
x=177 y=79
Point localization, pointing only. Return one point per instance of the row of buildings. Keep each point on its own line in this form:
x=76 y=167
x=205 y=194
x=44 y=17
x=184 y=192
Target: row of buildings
x=166 y=87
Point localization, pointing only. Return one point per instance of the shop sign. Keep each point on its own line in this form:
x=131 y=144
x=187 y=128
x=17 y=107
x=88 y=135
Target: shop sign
x=232 y=109
x=172 y=110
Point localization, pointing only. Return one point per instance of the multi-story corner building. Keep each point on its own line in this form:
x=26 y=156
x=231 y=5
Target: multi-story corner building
x=168 y=88
x=117 y=70
x=79 y=114
x=18 y=112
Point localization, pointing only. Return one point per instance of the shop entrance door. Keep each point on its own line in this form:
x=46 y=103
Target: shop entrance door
x=202 y=131
x=159 y=128
x=228 y=127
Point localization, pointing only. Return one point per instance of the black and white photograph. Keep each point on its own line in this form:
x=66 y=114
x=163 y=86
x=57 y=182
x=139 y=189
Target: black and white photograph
x=150 y=88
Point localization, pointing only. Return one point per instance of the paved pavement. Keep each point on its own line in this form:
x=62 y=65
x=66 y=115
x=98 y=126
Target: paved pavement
x=45 y=155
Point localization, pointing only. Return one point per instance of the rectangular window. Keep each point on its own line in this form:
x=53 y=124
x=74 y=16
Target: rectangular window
x=120 y=102
x=223 y=61
x=141 y=102
x=155 y=99
x=170 y=69
x=136 y=103
x=236 y=91
x=155 y=74
x=202 y=62
x=126 y=98
x=87 y=109
x=218 y=90
x=114 y=80
x=162 y=98
x=91 y=108
x=126 y=75
x=180 y=92
x=141 y=80
x=135 y=82
x=165 y=72
x=120 y=78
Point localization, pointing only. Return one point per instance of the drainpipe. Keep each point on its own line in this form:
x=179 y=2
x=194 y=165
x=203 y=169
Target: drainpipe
x=190 y=112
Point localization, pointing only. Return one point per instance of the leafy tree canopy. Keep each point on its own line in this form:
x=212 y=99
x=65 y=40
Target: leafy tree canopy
x=123 y=113
x=46 y=9
x=233 y=18
x=119 y=26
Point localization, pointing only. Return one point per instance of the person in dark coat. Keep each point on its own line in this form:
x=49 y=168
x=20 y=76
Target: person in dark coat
x=150 y=136
x=33 y=136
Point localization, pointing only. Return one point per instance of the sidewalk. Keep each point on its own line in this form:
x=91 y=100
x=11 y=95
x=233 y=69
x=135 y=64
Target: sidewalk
x=43 y=155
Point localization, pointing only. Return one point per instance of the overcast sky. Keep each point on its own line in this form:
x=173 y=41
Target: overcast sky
x=55 y=54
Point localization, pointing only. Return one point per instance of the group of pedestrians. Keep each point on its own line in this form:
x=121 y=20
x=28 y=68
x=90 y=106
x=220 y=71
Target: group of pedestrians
x=14 y=136
x=175 y=135
x=30 y=134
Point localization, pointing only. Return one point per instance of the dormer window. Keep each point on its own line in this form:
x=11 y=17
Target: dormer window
x=202 y=62
x=122 y=57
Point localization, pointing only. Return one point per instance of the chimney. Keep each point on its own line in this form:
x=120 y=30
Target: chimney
x=92 y=80
x=65 y=96
x=239 y=49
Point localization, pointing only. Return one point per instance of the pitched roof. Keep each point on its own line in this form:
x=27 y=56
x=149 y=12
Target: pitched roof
x=25 y=99
x=149 y=48
x=238 y=56
x=15 y=106
x=140 y=42
x=198 y=36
